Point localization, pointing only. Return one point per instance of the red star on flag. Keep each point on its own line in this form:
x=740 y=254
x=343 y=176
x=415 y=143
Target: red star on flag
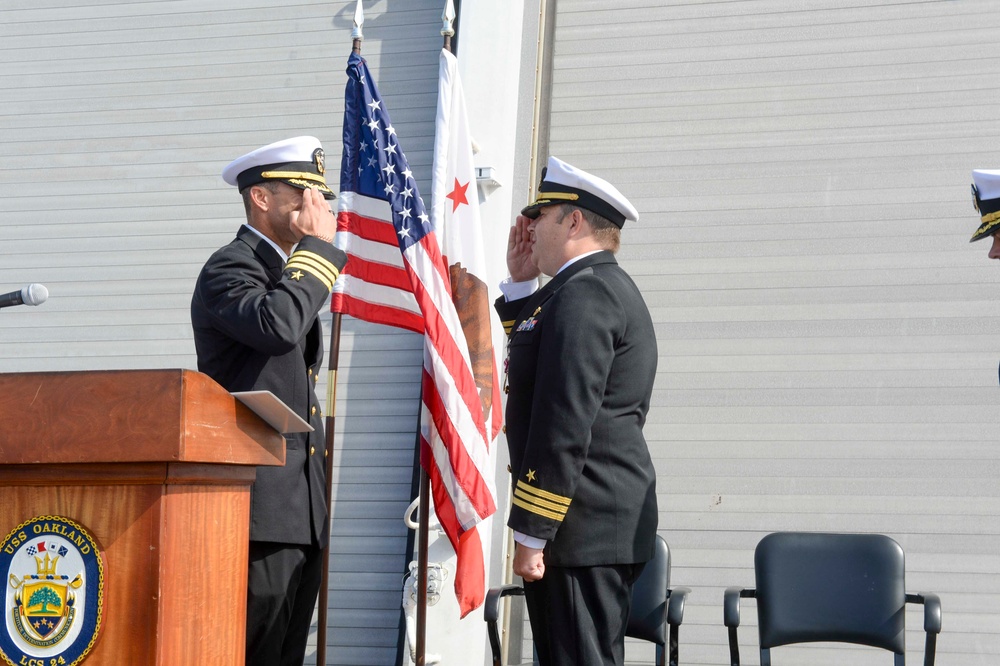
x=457 y=195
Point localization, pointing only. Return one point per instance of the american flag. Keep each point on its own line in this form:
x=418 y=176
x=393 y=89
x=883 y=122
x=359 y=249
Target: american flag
x=397 y=276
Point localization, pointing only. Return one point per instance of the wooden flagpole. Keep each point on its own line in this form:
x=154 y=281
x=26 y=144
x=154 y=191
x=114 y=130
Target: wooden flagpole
x=331 y=403
x=331 y=418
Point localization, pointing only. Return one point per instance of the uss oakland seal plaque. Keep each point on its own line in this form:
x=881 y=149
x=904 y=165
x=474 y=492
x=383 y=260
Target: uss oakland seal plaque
x=54 y=593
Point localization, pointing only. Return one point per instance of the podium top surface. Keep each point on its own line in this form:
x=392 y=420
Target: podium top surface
x=120 y=416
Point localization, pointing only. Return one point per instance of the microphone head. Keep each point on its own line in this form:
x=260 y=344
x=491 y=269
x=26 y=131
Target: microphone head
x=34 y=294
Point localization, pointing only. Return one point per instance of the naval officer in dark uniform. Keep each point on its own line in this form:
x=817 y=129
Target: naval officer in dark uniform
x=580 y=368
x=254 y=313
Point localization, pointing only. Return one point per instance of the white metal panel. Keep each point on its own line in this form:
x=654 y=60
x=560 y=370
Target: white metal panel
x=116 y=121
x=828 y=339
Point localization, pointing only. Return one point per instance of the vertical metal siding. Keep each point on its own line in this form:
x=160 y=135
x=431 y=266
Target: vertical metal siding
x=828 y=338
x=116 y=121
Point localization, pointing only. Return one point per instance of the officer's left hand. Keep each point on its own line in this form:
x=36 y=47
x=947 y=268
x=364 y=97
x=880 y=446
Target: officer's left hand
x=529 y=563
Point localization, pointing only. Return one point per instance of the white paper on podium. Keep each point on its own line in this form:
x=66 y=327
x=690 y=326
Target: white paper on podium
x=267 y=406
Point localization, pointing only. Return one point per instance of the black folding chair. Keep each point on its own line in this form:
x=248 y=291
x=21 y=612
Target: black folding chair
x=845 y=588
x=655 y=607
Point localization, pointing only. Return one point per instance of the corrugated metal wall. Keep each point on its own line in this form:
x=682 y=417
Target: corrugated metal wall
x=828 y=338
x=116 y=120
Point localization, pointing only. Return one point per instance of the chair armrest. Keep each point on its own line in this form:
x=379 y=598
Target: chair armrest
x=731 y=616
x=731 y=605
x=491 y=612
x=932 y=610
x=932 y=622
x=491 y=607
x=932 y=613
x=675 y=604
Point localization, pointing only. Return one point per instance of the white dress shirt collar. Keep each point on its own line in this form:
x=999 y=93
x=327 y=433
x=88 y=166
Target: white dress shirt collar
x=281 y=253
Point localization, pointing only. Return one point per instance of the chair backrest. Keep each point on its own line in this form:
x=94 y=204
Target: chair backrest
x=830 y=587
x=647 y=618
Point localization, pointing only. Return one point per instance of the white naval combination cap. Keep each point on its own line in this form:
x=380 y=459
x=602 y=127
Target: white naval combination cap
x=299 y=162
x=564 y=183
x=986 y=199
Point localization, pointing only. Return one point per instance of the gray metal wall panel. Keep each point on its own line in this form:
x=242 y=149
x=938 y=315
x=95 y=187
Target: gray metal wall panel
x=116 y=122
x=828 y=339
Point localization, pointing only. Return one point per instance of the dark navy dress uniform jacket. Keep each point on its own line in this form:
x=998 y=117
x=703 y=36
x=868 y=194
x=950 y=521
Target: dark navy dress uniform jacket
x=580 y=370
x=256 y=328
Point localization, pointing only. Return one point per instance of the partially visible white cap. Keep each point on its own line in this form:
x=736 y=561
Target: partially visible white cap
x=986 y=199
x=987 y=182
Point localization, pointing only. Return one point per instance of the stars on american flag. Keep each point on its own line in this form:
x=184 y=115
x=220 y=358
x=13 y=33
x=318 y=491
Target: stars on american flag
x=384 y=173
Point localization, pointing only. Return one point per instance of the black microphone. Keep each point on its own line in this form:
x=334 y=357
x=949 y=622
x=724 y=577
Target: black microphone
x=33 y=294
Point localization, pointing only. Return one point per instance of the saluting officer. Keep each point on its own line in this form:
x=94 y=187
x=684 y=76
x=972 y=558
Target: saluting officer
x=580 y=368
x=254 y=313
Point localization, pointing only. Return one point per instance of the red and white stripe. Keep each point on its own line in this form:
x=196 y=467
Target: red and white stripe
x=377 y=285
x=374 y=285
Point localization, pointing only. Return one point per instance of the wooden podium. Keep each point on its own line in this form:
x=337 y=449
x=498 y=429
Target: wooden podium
x=156 y=465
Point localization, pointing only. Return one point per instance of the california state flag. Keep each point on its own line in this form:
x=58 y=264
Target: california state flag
x=455 y=218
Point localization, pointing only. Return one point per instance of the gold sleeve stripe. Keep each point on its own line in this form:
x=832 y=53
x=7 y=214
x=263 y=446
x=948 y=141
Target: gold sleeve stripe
x=319 y=276
x=536 y=510
x=507 y=325
x=327 y=271
x=312 y=270
x=319 y=261
x=316 y=265
x=551 y=506
x=544 y=494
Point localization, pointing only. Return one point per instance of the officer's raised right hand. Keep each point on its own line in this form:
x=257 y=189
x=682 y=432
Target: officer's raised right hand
x=519 y=243
x=314 y=218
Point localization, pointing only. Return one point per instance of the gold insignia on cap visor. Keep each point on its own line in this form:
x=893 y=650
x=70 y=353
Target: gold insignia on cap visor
x=557 y=196
x=302 y=179
x=989 y=227
x=319 y=157
x=294 y=175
